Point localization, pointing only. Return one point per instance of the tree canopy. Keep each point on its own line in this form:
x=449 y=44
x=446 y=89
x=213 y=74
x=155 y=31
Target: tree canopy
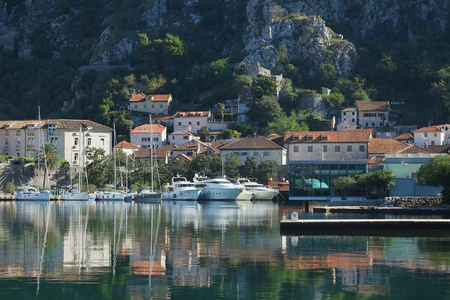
x=437 y=173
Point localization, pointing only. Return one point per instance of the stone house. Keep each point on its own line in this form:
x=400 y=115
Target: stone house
x=141 y=135
x=153 y=104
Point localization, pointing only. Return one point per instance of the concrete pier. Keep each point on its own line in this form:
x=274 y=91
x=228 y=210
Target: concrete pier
x=349 y=225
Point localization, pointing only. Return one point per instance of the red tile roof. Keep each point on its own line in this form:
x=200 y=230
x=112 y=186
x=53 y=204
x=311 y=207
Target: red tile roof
x=157 y=128
x=138 y=97
x=382 y=146
x=162 y=98
x=182 y=132
x=252 y=143
x=125 y=144
x=352 y=136
x=187 y=114
x=413 y=148
x=405 y=136
x=372 y=105
x=429 y=129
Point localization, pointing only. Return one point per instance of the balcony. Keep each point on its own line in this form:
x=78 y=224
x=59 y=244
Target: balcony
x=30 y=132
x=17 y=145
x=30 y=145
x=6 y=146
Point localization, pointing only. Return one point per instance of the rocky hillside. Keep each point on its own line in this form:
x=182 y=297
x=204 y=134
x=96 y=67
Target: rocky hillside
x=309 y=33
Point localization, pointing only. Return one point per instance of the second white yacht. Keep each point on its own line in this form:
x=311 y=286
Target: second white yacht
x=217 y=188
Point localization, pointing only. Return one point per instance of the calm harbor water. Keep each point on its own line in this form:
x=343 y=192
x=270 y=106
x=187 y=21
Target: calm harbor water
x=215 y=250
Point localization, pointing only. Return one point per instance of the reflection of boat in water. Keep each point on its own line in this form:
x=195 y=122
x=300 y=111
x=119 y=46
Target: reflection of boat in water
x=181 y=189
x=259 y=191
x=217 y=188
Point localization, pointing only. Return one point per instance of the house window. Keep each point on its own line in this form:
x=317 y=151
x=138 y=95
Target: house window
x=337 y=148
x=349 y=148
x=18 y=154
x=362 y=148
x=388 y=134
x=435 y=134
x=244 y=153
x=173 y=137
x=353 y=120
x=353 y=113
x=367 y=124
x=310 y=148
x=179 y=123
x=266 y=153
x=185 y=137
x=373 y=124
x=75 y=156
x=255 y=153
x=155 y=139
x=136 y=106
x=18 y=132
x=324 y=138
x=160 y=106
x=144 y=106
x=89 y=141
x=153 y=105
x=296 y=148
x=324 y=148
x=432 y=142
x=344 y=113
x=198 y=123
x=380 y=115
x=425 y=134
x=54 y=141
x=75 y=141
x=102 y=142
x=381 y=124
x=309 y=138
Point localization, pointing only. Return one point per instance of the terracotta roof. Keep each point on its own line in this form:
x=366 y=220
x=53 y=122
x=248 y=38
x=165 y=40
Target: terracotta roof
x=159 y=152
x=382 y=146
x=182 y=132
x=162 y=117
x=349 y=109
x=413 y=148
x=219 y=144
x=68 y=124
x=361 y=130
x=138 y=97
x=161 y=98
x=405 y=136
x=377 y=160
x=157 y=128
x=429 y=129
x=125 y=144
x=187 y=114
x=252 y=143
x=372 y=105
x=349 y=136
x=182 y=155
x=438 y=148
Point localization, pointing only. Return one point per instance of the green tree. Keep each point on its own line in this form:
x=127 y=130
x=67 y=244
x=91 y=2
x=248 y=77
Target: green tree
x=221 y=109
x=48 y=158
x=282 y=124
x=99 y=166
x=267 y=169
x=171 y=46
x=250 y=167
x=326 y=75
x=231 y=165
x=230 y=133
x=343 y=184
x=376 y=184
x=242 y=83
x=9 y=188
x=437 y=173
x=441 y=88
x=335 y=99
x=204 y=133
x=264 y=110
x=264 y=86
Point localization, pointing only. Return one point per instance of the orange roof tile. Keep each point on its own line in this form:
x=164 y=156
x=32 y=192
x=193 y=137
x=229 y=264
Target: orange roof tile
x=381 y=146
x=413 y=148
x=162 y=98
x=125 y=144
x=429 y=129
x=359 y=136
x=138 y=97
x=157 y=128
x=372 y=105
x=405 y=136
x=187 y=114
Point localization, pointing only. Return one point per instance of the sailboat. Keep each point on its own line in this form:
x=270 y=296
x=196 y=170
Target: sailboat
x=146 y=195
x=75 y=194
x=112 y=196
x=29 y=192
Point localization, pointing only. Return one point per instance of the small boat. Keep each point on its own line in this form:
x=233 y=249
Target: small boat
x=147 y=196
x=259 y=191
x=282 y=187
x=32 y=193
x=109 y=196
x=217 y=188
x=181 y=189
x=74 y=195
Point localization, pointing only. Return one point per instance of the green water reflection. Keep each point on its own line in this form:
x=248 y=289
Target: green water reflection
x=188 y=250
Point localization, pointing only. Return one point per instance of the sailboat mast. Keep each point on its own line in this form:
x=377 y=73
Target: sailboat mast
x=39 y=148
x=151 y=148
x=114 y=152
x=79 y=162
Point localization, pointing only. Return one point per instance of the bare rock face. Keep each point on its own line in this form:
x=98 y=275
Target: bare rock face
x=304 y=39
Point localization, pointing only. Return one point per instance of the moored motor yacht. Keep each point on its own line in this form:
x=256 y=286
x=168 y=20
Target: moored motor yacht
x=217 y=188
x=147 y=196
x=259 y=191
x=181 y=189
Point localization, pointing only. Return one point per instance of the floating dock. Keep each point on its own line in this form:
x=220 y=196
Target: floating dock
x=349 y=225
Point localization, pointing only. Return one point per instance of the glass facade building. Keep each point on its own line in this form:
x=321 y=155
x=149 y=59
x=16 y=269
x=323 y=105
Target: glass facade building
x=312 y=180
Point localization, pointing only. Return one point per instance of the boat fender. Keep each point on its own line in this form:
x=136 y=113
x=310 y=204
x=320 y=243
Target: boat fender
x=294 y=216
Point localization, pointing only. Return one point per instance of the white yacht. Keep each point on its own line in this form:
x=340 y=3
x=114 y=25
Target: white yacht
x=31 y=193
x=109 y=196
x=74 y=195
x=181 y=189
x=259 y=191
x=217 y=188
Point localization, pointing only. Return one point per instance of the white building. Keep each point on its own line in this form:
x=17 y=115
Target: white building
x=154 y=104
x=367 y=114
x=141 y=135
x=191 y=121
x=181 y=137
x=427 y=136
x=21 y=138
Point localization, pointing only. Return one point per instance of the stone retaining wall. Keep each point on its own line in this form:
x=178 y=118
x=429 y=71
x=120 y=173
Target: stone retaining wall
x=414 y=201
x=363 y=202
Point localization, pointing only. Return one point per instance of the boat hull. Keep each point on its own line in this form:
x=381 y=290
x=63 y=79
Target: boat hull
x=186 y=194
x=74 y=196
x=34 y=196
x=109 y=196
x=263 y=195
x=224 y=194
x=147 y=197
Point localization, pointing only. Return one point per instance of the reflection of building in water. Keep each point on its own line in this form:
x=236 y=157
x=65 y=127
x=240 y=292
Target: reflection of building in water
x=354 y=261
